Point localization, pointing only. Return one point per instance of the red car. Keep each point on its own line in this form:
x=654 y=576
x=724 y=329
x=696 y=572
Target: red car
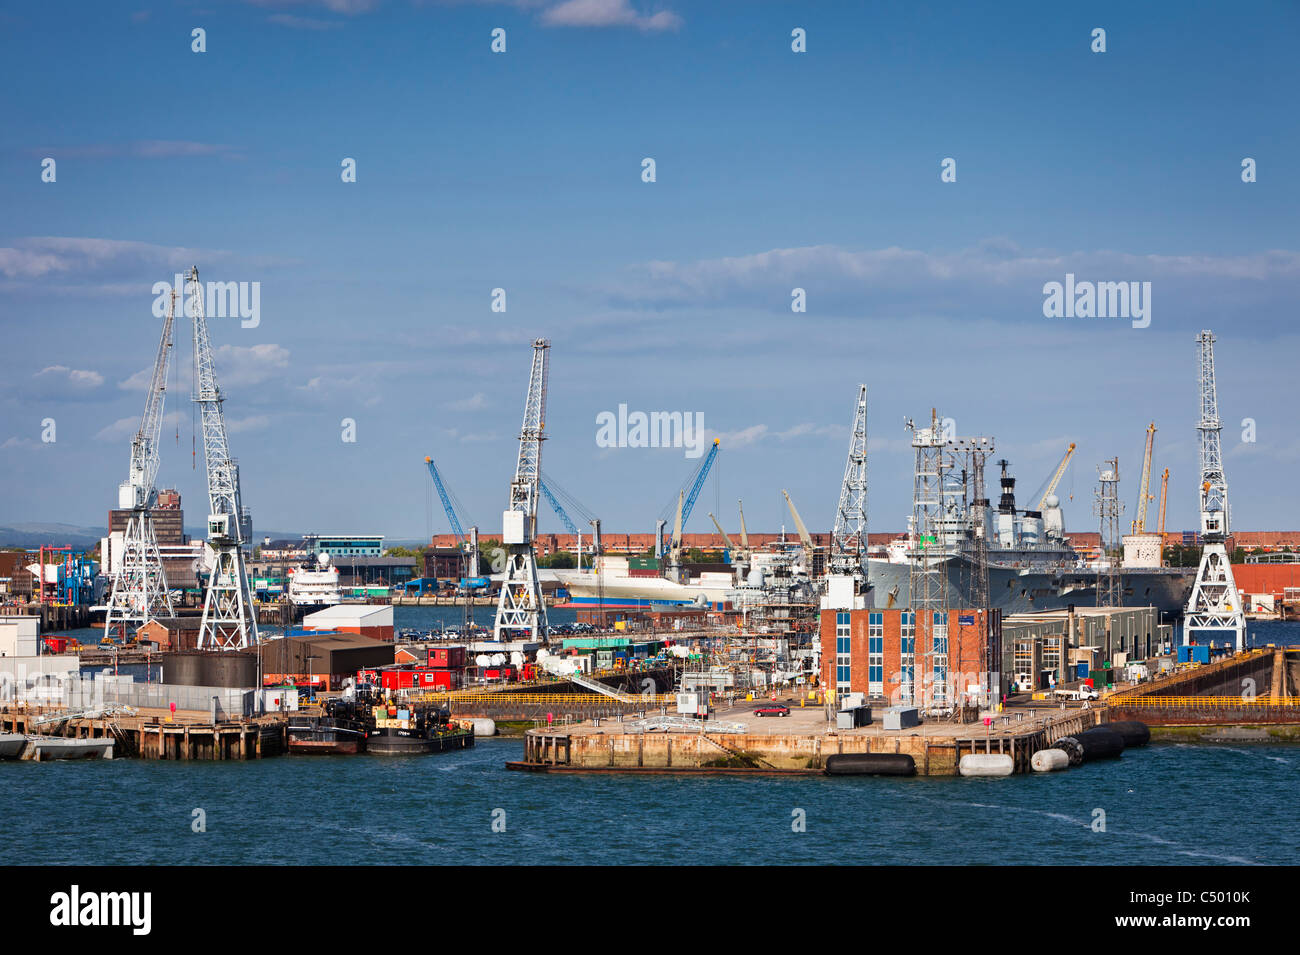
x=772 y=709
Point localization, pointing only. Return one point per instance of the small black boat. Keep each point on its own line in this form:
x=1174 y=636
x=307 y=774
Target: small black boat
x=402 y=730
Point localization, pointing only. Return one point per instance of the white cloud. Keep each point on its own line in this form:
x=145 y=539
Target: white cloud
x=474 y=402
x=123 y=429
x=80 y=378
x=303 y=23
x=250 y=423
x=608 y=13
x=993 y=278
x=39 y=256
x=249 y=364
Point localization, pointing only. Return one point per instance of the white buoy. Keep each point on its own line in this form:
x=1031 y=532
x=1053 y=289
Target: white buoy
x=1049 y=760
x=484 y=727
x=986 y=764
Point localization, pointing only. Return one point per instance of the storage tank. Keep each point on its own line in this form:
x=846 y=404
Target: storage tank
x=224 y=668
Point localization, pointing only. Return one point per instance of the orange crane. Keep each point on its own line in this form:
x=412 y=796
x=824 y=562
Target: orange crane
x=1164 y=499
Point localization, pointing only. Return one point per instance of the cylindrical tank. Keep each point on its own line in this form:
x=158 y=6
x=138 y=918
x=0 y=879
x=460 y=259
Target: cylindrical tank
x=986 y=764
x=1049 y=760
x=1099 y=743
x=484 y=727
x=870 y=764
x=228 y=668
x=1134 y=732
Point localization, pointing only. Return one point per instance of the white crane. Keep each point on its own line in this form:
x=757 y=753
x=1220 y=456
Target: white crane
x=1144 y=484
x=849 y=539
x=1215 y=603
x=521 y=613
x=229 y=620
x=139 y=584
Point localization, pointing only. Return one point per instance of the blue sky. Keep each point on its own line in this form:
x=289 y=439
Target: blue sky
x=522 y=171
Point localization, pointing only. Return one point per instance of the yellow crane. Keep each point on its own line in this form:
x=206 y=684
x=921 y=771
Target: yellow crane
x=1056 y=478
x=1164 y=488
x=1144 y=489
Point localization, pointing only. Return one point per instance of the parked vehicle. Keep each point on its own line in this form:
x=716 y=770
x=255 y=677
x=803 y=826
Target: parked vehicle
x=772 y=709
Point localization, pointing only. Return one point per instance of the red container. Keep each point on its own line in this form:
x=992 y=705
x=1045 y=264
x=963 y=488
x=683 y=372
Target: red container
x=447 y=657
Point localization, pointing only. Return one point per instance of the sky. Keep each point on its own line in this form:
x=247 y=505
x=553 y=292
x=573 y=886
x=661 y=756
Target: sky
x=522 y=170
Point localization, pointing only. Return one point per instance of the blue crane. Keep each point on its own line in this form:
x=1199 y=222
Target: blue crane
x=699 y=481
x=559 y=511
x=446 y=501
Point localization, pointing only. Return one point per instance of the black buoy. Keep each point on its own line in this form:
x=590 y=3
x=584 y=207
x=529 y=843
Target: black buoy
x=1072 y=748
x=870 y=764
x=1100 y=743
x=1135 y=732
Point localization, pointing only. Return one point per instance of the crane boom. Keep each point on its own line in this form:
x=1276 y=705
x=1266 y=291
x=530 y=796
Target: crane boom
x=1144 y=486
x=228 y=619
x=1164 y=490
x=521 y=612
x=144 y=447
x=1215 y=603
x=452 y=517
x=849 y=537
x=804 y=536
x=700 y=475
x=139 y=591
x=727 y=540
x=1056 y=478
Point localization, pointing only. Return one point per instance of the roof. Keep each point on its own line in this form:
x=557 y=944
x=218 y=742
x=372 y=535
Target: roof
x=367 y=615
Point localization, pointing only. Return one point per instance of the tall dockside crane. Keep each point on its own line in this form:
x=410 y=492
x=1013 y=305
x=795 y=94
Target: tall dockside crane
x=521 y=613
x=1144 y=485
x=1214 y=603
x=139 y=585
x=229 y=620
x=849 y=538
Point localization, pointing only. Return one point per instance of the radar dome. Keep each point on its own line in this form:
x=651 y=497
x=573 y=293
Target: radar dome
x=1051 y=501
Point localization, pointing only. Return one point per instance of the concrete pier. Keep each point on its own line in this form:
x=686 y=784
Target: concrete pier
x=795 y=745
x=151 y=735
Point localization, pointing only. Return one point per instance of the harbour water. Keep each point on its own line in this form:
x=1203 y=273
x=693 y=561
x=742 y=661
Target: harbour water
x=1167 y=804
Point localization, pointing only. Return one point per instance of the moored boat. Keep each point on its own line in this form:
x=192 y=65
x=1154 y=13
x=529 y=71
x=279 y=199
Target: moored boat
x=400 y=730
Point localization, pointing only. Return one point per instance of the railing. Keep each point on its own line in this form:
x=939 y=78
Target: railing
x=555 y=699
x=1207 y=702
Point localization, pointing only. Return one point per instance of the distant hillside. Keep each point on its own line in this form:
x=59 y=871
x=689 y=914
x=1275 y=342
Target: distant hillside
x=36 y=534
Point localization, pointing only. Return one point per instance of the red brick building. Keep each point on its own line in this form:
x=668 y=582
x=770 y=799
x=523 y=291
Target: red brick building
x=882 y=653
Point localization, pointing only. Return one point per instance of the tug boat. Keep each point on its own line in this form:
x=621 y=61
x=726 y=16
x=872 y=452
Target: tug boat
x=400 y=730
x=341 y=730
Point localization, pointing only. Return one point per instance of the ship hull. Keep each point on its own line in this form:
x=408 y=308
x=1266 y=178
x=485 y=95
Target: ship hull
x=1025 y=590
x=396 y=742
